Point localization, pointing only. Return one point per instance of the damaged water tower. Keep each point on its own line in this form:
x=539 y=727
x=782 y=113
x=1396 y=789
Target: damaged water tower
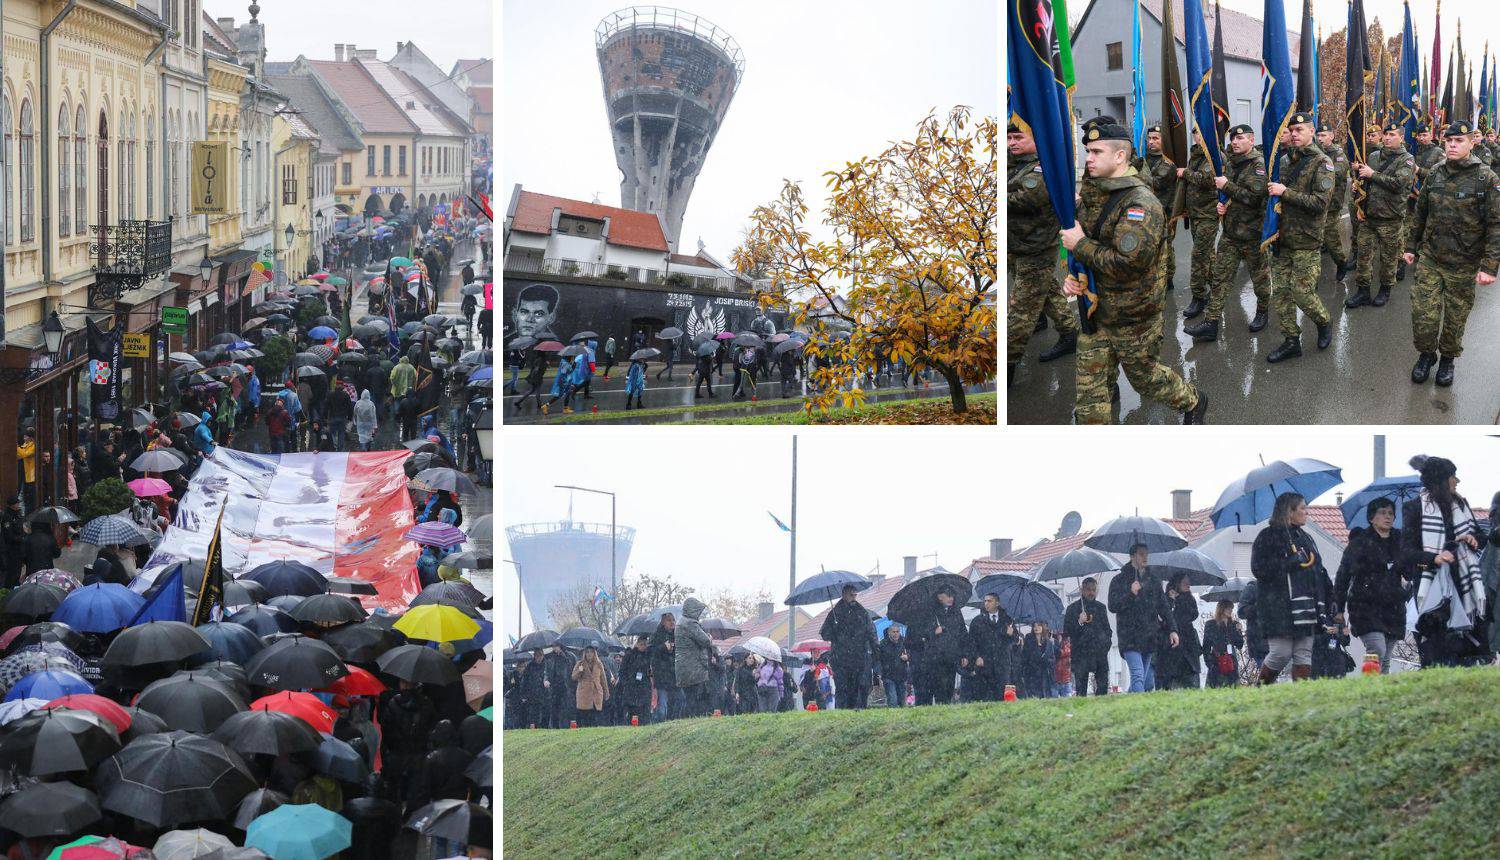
x=669 y=77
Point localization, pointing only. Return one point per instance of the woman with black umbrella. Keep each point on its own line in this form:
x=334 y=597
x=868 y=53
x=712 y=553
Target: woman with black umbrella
x=1288 y=569
x=1178 y=665
x=1371 y=583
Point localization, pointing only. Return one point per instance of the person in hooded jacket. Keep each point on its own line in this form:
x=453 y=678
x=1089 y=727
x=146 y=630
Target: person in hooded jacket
x=851 y=635
x=1142 y=615
x=634 y=691
x=1370 y=589
x=670 y=700
x=535 y=693
x=203 y=436
x=1288 y=570
x=691 y=658
x=1223 y=641
x=1178 y=666
x=992 y=641
x=1086 y=624
x=559 y=686
x=366 y=420
x=943 y=640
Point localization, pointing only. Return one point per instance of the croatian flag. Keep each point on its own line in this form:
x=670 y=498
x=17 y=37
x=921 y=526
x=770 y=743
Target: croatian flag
x=600 y=595
x=341 y=513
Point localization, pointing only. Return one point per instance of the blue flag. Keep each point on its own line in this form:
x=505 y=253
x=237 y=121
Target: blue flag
x=1200 y=71
x=779 y=524
x=1409 y=82
x=1039 y=101
x=1277 y=96
x=1138 y=84
x=166 y=601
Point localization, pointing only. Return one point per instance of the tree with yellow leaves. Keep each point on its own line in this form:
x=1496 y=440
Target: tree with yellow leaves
x=904 y=267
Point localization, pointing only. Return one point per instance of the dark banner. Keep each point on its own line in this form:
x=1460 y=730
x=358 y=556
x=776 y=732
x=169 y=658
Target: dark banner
x=105 y=360
x=535 y=307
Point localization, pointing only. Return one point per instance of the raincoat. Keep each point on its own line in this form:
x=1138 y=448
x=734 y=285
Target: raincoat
x=635 y=380
x=403 y=377
x=204 y=437
x=366 y=418
x=563 y=382
x=691 y=654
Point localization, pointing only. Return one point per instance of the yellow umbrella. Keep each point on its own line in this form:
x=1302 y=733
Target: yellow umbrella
x=436 y=622
x=307 y=282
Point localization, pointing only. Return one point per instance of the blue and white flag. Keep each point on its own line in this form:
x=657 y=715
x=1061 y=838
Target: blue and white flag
x=779 y=524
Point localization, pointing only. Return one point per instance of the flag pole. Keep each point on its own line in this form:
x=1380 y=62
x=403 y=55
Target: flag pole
x=791 y=611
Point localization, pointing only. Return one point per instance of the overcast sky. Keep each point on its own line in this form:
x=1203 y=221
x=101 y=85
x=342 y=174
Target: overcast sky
x=824 y=83
x=445 y=30
x=698 y=499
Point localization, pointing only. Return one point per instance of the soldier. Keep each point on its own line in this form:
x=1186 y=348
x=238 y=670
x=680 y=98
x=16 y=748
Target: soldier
x=1305 y=190
x=1244 y=182
x=1388 y=177
x=1457 y=235
x=1203 y=222
x=1333 y=243
x=1164 y=185
x=1121 y=243
x=1428 y=155
x=1031 y=255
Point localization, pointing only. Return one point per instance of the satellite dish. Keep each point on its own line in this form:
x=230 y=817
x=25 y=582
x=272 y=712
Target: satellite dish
x=1071 y=523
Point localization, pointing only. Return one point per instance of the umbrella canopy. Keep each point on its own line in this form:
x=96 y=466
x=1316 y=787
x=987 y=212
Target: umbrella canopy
x=1397 y=489
x=825 y=586
x=190 y=703
x=1249 y=499
x=115 y=529
x=748 y=339
x=52 y=516
x=142 y=723
x=914 y=602
x=1200 y=568
x=57 y=578
x=441 y=478
x=585 y=637
x=101 y=707
x=1075 y=563
x=669 y=333
x=1230 y=589
x=763 y=647
x=787 y=346
x=706 y=349
x=148 y=487
x=454 y=820
x=636 y=625
x=295 y=664
x=304 y=706
x=359 y=682
x=481 y=771
x=468 y=560
x=189 y=844
x=48 y=684
x=321 y=332
x=1121 y=533
x=173 y=778
x=288 y=577
x=102 y=607
x=230 y=675
x=302 y=831
x=434 y=533
x=49 y=809
x=33 y=600
x=718 y=628
x=570 y=351
x=418 y=665
x=49 y=741
x=228 y=641
x=548 y=346
x=328 y=610
x=12 y=711
x=18 y=666
x=264 y=620
x=337 y=759
x=309 y=372
x=435 y=622
x=242 y=592
x=1026 y=602
x=267 y=733
x=256 y=804
x=536 y=640
x=361 y=643
x=155 y=642
x=646 y=354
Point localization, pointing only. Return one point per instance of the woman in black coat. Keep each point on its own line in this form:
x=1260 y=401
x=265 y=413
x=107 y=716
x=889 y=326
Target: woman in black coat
x=1222 y=641
x=1451 y=550
x=1178 y=666
x=1370 y=590
x=634 y=693
x=1038 y=662
x=1288 y=571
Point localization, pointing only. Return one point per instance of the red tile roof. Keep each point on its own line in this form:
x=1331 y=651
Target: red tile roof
x=363 y=97
x=762 y=627
x=627 y=227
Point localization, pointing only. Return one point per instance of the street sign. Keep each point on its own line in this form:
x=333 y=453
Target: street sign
x=174 y=320
x=137 y=345
x=210 y=178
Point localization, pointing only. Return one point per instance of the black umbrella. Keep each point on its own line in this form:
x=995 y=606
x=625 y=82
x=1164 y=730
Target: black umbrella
x=1075 y=563
x=328 y=610
x=309 y=373
x=707 y=348
x=296 y=664
x=442 y=478
x=745 y=338
x=481 y=771
x=646 y=354
x=51 y=741
x=155 y=642
x=173 y=778
x=913 y=603
x=787 y=346
x=264 y=620
x=566 y=352
x=1026 y=602
x=1121 y=533
x=468 y=560
x=454 y=820
x=49 y=809
x=539 y=639
x=242 y=592
x=824 y=586
x=229 y=641
x=637 y=625
x=142 y=723
x=362 y=643
x=350 y=585
x=1200 y=568
x=718 y=628
x=258 y=803
x=583 y=637
x=52 y=516
x=339 y=760
x=190 y=703
x=522 y=342
x=1230 y=589
x=583 y=335
x=267 y=733
x=46 y=631
x=669 y=333
x=33 y=600
x=286 y=602
x=418 y=665
x=288 y=577
x=231 y=675
x=451 y=593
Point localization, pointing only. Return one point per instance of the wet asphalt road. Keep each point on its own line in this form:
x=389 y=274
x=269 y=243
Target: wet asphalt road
x=1362 y=378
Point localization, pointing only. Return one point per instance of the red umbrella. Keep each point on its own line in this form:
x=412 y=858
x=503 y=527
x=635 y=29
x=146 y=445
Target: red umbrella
x=319 y=276
x=548 y=346
x=304 y=706
x=359 y=682
x=807 y=646
x=96 y=704
x=10 y=635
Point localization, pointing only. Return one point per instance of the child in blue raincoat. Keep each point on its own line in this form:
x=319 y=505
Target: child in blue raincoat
x=635 y=384
x=562 y=386
x=203 y=434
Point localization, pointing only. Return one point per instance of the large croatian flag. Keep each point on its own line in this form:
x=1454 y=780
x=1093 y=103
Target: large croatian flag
x=342 y=513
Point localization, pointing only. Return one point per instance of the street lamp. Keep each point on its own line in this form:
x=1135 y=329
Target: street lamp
x=612 y=585
x=52 y=335
x=484 y=430
x=291 y=236
x=206 y=266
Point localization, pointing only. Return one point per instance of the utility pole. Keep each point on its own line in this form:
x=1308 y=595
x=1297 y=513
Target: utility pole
x=1379 y=456
x=791 y=612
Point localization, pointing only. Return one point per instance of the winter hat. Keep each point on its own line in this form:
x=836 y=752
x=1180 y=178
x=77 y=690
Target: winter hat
x=1433 y=469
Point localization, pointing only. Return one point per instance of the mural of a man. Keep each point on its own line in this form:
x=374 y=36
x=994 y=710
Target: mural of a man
x=535 y=310
x=762 y=324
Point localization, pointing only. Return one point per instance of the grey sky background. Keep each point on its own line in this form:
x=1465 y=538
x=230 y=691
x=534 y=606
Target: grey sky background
x=445 y=30
x=824 y=83
x=698 y=499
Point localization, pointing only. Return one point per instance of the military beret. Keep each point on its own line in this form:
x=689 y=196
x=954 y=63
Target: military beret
x=1458 y=128
x=1099 y=120
x=1392 y=126
x=1242 y=128
x=1107 y=131
x=1155 y=128
x=1300 y=118
x=1423 y=128
x=1325 y=126
x=1012 y=128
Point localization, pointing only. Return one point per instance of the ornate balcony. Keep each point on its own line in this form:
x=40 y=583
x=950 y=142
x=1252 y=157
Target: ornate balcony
x=127 y=255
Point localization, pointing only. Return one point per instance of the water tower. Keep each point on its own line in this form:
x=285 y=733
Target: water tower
x=668 y=79
x=556 y=557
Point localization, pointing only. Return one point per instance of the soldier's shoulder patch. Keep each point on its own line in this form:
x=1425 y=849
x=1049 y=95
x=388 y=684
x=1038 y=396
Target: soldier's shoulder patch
x=1135 y=213
x=1327 y=183
x=1260 y=170
x=1037 y=169
x=1129 y=242
x=1328 y=165
x=1029 y=182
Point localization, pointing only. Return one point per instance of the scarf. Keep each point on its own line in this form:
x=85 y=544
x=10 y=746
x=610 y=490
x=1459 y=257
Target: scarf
x=1461 y=588
x=1302 y=588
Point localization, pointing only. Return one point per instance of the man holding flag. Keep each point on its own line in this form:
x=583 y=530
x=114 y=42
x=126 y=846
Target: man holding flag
x=1203 y=220
x=1244 y=184
x=1304 y=189
x=1118 y=237
x=1031 y=250
x=1164 y=184
x=1388 y=175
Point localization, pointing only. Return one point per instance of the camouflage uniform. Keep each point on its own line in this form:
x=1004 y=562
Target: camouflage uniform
x=1164 y=184
x=1333 y=245
x=1385 y=205
x=1309 y=178
x=1240 y=243
x=1456 y=235
x=1128 y=324
x=1203 y=218
x=1428 y=156
x=1032 y=255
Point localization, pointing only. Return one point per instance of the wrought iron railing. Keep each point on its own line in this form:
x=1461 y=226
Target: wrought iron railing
x=127 y=255
x=667 y=18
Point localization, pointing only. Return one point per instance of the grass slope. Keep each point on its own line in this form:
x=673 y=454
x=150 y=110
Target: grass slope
x=1400 y=766
x=933 y=410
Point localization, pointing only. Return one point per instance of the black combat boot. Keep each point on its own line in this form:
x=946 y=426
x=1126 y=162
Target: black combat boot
x=1194 y=308
x=1067 y=344
x=1423 y=367
x=1342 y=269
x=1195 y=415
x=1325 y=335
x=1381 y=297
x=1170 y=286
x=1207 y=330
x=1360 y=298
x=1290 y=348
x=1444 y=376
x=1260 y=319
x=1041 y=324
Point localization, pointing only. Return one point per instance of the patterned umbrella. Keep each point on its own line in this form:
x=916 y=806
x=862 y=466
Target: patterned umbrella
x=55 y=577
x=55 y=651
x=12 y=711
x=435 y=534
x=117 y=529
x=17 y=666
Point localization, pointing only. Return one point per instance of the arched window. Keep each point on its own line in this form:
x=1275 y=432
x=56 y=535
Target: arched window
x=27 y=163
x=10 y=148
x=64 y=171
x=81 y=170
x=150 y=167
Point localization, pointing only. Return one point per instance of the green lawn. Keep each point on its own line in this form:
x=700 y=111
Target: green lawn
x=1400 y=766
x=981 y=409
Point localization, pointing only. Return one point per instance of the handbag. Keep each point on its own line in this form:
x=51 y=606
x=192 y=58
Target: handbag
x=1226 y=664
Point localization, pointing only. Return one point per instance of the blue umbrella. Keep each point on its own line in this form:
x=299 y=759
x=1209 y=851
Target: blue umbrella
x=1026 y=602
x=321 y=332
x=102 y=607
x=288 y=577
x=301 y=831
x=881 y=625
x=112 y=530
x=1249 y=499
x=1121 y=533
x=233 y=642
x=1397 y=490
x=50 y=684
x=264 y=620
x=824 y=587
x=485 y=372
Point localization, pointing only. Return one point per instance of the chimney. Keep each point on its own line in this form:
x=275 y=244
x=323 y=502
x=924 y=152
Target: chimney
x=399 y=46
x=908 y=567
x=1182 y=504
x=765 y=609
x=338 y=52
x=1000 y=547
x=361 y=53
